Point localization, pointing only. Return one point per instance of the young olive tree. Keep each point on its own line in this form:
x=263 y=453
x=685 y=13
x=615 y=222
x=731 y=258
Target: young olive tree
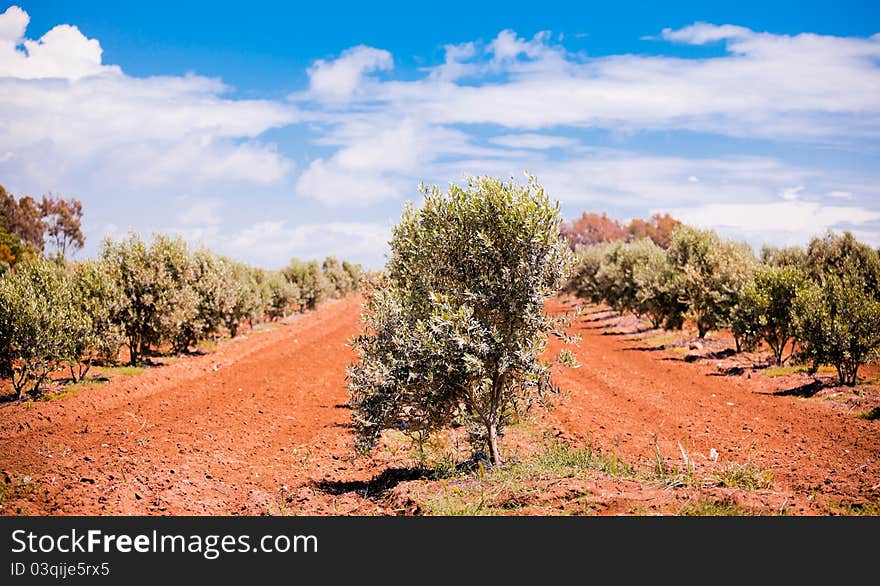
x=97 y=297
x=657 y=290
x=36 y=315
x=338 y=279
x=356 y=275
x=310 y=282
x=282 y=295
x=711 y=273
x=453 y=333
x=214 y=290
x=247 y=300
x=766 y=309
x=838 y=323
x=583 y=281
x=155 y=282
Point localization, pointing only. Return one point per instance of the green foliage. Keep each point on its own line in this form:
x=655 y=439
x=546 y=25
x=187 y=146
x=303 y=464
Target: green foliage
x=790 y=256
x=36 y=314
x=213 y=286
x=584 y=280
x=838 y=323
x=765 y=309
x=157 y=296
x=309 y=280
x=843 y=255
x=455 y=330
x=247 y=299
x=711 y=273
x=356 y=275
x=338 y=279
x=282 y=294
x=97 y=298
x=13 y=251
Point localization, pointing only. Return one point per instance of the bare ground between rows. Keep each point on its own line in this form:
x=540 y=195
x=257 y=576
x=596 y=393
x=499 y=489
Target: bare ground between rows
x=259 y=426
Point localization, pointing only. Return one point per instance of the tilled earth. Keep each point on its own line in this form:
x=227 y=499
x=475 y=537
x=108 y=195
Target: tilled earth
x=259 y=425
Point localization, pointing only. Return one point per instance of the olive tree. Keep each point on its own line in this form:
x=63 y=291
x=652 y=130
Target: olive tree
x=712 y=272
x=213 y=285
x=282 y=295
x=838 y=323
x=309 y=280
x=836 y=254
x=36 y=314
x=97 y=297
x=583 y=281
x=157 y=296
x=657 y=290
x=453 y=333
x=247 y=301
x=766 y=309
x=356 y=274
x=338 y=279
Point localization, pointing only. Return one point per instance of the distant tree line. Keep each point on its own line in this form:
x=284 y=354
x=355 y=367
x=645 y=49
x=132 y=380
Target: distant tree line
x=148 y=297
x=819 y=304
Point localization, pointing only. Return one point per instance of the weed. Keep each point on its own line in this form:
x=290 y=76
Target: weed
x=868 y=509
x=668 y=474
x=745 y=476
x=122 y=370
x=777 y=371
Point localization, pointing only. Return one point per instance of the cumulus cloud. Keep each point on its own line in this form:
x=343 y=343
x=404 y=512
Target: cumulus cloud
x=340 y=78
x=58 y=101
x=803 y=88
x=273 y=243
x=788 y=221
x=63 y=52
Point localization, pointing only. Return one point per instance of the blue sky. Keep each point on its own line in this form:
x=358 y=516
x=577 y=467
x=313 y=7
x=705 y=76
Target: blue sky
x=268 y=130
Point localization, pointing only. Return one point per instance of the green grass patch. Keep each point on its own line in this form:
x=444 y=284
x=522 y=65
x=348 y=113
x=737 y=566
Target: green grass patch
x=668 y=473
x=517 y=484
x=870 y=414
x=711 y=507
x=745 y=476
x=867 y=509
x=661 y=340
x=777 y=371
x=205 y=345
x=122 y=370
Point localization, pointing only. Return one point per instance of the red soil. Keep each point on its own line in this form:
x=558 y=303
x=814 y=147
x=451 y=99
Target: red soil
x=259 y=426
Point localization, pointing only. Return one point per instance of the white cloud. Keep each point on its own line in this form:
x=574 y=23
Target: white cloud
x=63 y=52
x=273 y=243
x=837 y=194
x=701 y=33
x=791 y=193
x=534 y=141
x=807 y=86
x=340 y=78
x=58 y=102
x=784 y=222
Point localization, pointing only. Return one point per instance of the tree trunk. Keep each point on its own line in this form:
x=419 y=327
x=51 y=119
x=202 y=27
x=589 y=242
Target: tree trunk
x=494 y=452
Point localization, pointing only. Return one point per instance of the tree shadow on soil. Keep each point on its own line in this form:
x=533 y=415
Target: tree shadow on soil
x=645 y=348
x=805 y=390
x=376 y=486
x=628 y=332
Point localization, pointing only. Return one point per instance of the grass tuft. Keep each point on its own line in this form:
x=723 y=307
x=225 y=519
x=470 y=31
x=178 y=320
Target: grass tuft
x=745 y=476
x=122 y=370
